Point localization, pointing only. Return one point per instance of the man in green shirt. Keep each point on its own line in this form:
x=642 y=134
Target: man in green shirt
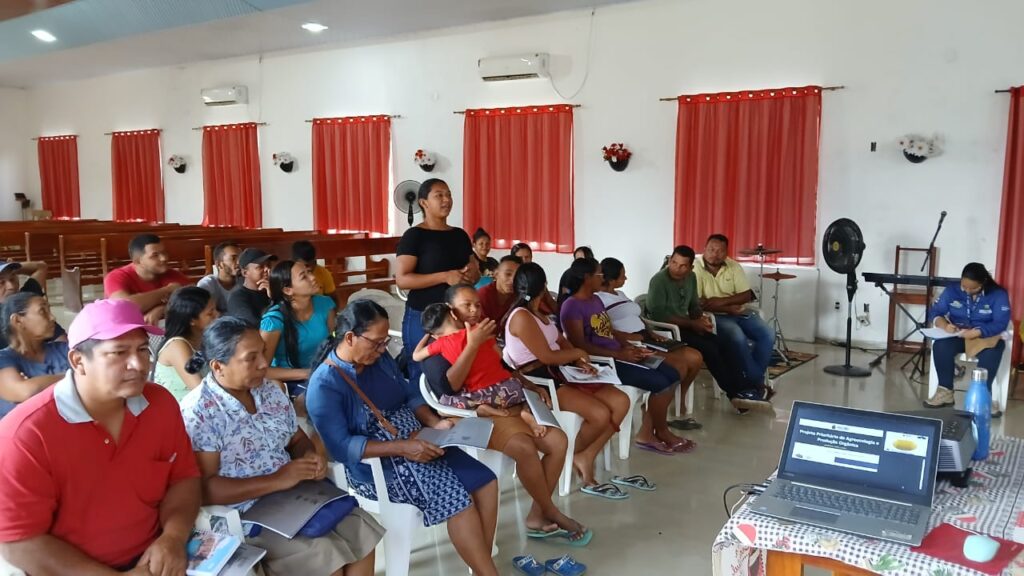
x=672 y=297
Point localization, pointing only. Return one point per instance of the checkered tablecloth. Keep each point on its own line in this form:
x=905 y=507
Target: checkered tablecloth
x=992 y=504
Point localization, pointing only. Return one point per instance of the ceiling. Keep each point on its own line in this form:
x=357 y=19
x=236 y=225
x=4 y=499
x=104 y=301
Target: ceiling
x=98 y=37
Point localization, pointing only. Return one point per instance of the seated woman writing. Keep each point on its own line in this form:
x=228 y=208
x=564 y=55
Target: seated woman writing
x=32 y=361
x=535 y=345
x=363 y=408
x=587 y=326
x=977 y=311
x=478 y=364
x=628 y=327
x=248 y=444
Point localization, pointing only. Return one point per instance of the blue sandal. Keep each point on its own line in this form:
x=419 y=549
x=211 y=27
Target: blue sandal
x=528 y=565
x=639 y=482
x=606 y=490
x=565 y=566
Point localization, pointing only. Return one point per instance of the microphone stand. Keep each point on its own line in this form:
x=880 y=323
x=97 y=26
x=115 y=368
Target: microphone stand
x=931 y=245
x=920 y=358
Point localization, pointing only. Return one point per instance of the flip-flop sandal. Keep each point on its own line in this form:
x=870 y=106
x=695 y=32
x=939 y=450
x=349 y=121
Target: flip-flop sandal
x=656 y=447
x=684 y=446
x=565 y=566
x=685 y=424
x=997 y=414
x=637 y=481
x=609 y=491
x=542 y=534
x=528 y=565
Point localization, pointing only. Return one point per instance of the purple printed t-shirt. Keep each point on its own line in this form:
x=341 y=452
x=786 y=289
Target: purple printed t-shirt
x=597 y=326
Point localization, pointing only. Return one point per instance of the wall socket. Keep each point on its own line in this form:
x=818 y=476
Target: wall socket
x=867 y=308
x=837 y=306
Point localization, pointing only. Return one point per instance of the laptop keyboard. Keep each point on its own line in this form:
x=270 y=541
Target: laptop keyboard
x=849 y=504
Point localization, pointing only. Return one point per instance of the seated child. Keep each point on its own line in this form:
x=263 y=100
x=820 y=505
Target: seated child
x=489 y=389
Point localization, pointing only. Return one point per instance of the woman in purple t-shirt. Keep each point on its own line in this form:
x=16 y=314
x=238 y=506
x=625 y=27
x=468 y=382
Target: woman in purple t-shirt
x=587 y=325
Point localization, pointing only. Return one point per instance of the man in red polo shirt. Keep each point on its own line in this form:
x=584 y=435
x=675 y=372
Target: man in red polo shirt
x=97 y=473
x=146 y=280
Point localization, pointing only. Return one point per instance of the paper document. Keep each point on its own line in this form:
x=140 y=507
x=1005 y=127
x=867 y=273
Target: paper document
x=242 y=562
x=287 y=511
x=541 y=412
x=605 y=375
x=662 y=345
x=469 y=432
x=939 y=333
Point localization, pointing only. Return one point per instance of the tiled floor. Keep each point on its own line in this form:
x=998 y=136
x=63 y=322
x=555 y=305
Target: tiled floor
x=669 y=532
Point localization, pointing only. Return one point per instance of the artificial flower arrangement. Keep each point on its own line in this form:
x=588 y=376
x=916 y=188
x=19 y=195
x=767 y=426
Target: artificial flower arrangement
x=285 y=161
x=917 y=149
x=178 y=163
x=425 y=160
x=617 y=156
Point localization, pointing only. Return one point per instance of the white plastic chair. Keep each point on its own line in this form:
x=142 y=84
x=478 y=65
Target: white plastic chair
x=399 y=520
x=493 y=459
x=570 y=422
x=637 y=397
x=7 y=569
x=1001 y=383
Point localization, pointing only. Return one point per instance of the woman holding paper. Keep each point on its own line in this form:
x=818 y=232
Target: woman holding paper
x=248 y=444
x=628 y=327
x=587 y=326
x=535 y=345
x=363 y=408
x=977 y=312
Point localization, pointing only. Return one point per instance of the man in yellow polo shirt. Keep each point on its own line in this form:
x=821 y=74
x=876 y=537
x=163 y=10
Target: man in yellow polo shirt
x=724 y=290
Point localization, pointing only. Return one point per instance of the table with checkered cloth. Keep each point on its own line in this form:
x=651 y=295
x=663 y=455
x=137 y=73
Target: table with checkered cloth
x=992 y=504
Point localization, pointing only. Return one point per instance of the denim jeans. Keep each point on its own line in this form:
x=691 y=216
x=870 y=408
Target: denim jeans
x=944 y=354
x=739 y=332
x=412 y=333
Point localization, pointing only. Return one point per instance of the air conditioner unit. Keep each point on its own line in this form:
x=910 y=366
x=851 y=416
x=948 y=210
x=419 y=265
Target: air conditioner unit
x=225 y=96
x=519 y=67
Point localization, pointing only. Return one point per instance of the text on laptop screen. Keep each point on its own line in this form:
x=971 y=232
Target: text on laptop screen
x=887 y=452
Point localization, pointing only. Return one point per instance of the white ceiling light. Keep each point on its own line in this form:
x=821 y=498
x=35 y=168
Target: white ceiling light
x=44 y=36
x=314 y=27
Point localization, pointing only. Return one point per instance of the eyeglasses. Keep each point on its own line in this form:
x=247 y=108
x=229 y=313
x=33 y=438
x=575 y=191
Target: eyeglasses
x=378 y=344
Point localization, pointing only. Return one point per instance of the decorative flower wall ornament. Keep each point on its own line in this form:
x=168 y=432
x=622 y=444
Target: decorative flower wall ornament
x=425 y=160
x=918 y=148
x=285 y=161
x=178 y=163
x=617 y=156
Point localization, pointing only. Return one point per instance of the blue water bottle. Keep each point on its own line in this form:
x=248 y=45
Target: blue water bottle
x=979 y=403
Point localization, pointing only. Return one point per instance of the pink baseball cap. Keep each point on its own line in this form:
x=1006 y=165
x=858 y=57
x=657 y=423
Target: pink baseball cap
x=106 y=320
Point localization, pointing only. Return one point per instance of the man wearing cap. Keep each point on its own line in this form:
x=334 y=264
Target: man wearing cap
x=146 y=280
x=249 y=300
x=36 y=284
x=97 y=473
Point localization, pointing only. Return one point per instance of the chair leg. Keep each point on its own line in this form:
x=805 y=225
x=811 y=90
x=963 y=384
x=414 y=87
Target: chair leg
x=608 y=456
x=626 y=429
x=565 y=485
x=398 y=541
x=679 y=401
x=689 y=400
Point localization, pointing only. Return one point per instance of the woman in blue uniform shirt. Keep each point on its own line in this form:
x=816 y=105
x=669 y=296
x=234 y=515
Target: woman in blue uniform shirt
x=978 y=311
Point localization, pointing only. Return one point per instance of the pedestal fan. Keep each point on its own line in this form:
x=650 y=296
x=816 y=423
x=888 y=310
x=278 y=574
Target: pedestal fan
x=843 y=245
x=405 y=198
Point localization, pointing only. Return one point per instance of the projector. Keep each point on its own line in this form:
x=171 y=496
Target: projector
x=957 y=443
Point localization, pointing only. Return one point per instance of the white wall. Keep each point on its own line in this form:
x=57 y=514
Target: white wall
x=14 y=148
x=912 y=66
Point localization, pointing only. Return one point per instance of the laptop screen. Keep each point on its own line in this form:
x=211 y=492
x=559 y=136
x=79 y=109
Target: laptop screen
x=878 y=454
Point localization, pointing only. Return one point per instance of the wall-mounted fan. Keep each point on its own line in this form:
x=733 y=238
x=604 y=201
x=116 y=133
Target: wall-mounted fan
x=843 y=246
x=405 y=198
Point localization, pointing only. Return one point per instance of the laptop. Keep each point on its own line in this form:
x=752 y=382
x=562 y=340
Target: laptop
x=867 y=473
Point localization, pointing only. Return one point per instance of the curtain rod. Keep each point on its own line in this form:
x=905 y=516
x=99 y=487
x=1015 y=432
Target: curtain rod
x=127 y=131
x=392 y=116
x=57 y=136
x=541 y=106
x=256 y=123
x=824 y=89
x=1006 y=91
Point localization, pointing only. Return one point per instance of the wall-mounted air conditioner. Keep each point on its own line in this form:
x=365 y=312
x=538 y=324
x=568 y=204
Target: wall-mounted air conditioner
x=225 y=96
x=518 y=67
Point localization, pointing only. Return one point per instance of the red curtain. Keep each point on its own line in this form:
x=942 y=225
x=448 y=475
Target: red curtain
x=518 y=175
x=1010 y=258
x=58 y=175
x=747 y=167
x=138 y=184
x=351 y=169
x=231 y=176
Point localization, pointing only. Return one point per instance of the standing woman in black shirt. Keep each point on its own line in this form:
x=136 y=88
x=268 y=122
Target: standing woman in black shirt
x=431 y=257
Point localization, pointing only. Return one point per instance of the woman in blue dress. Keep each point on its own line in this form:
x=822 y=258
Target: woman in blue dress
x=363 y=408
x=32 y=361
